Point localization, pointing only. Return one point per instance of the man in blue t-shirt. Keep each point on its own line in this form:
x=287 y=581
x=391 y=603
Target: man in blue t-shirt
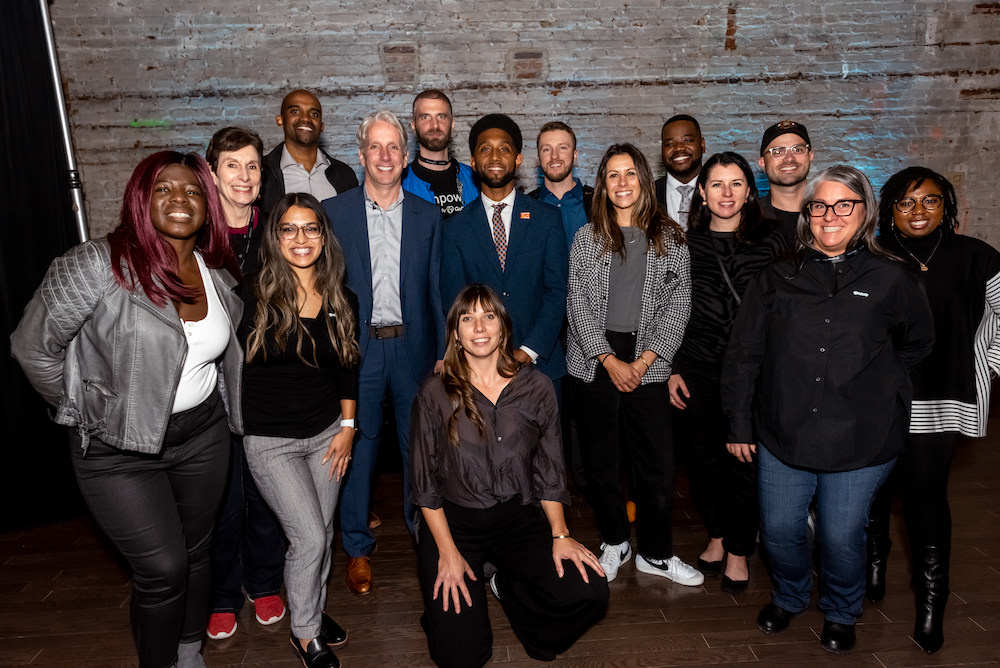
x=556 y=145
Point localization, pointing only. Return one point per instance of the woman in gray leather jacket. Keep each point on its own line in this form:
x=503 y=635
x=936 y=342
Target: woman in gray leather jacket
x=132 y=340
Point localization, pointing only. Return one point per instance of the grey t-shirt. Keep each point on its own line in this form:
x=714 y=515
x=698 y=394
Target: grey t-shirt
x=625 y=283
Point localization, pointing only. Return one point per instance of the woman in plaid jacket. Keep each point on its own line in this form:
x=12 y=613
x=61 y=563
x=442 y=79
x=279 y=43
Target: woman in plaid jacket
x=628 y=304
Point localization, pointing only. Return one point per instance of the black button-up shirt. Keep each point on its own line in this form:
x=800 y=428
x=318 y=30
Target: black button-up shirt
x=820 y=358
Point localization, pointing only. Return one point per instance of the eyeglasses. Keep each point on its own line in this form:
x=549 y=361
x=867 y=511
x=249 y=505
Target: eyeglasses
x=779 y=151
x=929 y=202
x=289 y=231
x=842 y=207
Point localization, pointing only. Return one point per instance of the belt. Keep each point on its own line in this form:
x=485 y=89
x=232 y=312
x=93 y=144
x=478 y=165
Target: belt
x=386 y=331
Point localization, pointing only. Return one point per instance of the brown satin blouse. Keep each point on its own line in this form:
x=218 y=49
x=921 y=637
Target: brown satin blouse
x=520 y=455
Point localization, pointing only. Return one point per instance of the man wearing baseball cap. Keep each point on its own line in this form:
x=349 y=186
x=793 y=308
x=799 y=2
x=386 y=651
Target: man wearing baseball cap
x=785 y=157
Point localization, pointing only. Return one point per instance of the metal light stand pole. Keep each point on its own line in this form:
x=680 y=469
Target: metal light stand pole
x=73 y=176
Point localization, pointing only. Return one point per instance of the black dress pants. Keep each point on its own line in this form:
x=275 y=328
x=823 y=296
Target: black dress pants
x=723 y=488
x=159 y=511
x=638 y=422
x=547 y=613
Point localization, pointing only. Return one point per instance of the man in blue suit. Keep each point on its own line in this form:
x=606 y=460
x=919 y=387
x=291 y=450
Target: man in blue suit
x=392 y=245
x=514 y=244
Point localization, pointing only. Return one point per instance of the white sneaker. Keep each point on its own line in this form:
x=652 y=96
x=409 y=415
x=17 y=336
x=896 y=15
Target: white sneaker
x=672 y=569
x=493 y=586
x=613 y=557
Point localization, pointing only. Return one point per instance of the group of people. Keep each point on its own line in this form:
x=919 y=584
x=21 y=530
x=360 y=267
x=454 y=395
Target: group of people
x=223 y=356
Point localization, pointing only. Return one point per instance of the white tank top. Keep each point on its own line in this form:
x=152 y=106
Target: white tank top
x=207 y=340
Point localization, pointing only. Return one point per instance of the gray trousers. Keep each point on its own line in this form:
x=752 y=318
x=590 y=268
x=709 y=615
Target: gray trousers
x=293 y=480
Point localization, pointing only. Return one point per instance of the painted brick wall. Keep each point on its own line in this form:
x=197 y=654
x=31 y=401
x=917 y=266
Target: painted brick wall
x=879 y=85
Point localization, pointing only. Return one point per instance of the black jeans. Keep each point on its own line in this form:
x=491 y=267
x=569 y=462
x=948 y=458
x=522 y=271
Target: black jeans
x=159 y=511
x=249 y=550
x=723 y=488
x=638 y=422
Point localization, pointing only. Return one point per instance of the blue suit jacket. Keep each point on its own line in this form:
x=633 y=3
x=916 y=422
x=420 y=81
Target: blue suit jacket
x=419 y=272
x=533 y=284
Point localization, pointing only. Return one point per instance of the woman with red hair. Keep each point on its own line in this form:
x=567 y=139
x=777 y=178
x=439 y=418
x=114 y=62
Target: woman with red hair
x=132 y=340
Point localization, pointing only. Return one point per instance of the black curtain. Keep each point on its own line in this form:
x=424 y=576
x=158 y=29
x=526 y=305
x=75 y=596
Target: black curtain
x=36 y=482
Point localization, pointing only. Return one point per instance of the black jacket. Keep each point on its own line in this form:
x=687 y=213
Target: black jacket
x=272 y=189
x=820 y=358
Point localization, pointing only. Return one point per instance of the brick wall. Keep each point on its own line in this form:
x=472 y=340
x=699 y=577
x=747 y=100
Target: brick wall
x=879 y=85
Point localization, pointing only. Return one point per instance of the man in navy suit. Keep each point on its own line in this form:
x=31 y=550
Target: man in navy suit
x=392 y=245
x=514 y=244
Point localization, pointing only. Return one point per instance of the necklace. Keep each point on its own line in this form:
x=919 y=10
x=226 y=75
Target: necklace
x=428 y=161
x=923 y=265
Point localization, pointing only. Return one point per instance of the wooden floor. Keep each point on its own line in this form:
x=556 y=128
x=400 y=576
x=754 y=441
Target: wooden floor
x=65 y=601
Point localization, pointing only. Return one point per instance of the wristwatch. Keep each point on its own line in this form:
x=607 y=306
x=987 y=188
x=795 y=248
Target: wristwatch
x=350 y=422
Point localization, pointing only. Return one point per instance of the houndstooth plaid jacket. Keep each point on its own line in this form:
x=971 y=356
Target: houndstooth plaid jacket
x=666 y=305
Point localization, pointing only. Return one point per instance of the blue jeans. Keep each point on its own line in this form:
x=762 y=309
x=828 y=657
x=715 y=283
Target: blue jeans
x=842 y=503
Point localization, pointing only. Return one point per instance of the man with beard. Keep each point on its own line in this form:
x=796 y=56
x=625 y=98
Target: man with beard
x=556 y=145
x=299 y=165
x=392 y=251
x=434 y=175
x=681 y=146
x=512 y=243
x=785 y=156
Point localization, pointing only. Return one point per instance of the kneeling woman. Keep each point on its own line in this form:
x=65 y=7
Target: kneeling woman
x=300 y=388
x=486 y=452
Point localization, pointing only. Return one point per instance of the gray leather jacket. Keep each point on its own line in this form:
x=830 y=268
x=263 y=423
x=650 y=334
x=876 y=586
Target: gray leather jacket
x=108 y=358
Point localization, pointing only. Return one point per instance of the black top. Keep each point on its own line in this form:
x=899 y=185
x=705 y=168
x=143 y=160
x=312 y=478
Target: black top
x=956 y=280
x=820 y=357
x=787 y=220
x=520 y=455
x=444 y=184
x=283 y=396
x=245 y=243
x=713 y=305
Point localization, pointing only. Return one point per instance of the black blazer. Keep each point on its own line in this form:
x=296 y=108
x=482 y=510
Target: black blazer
x=272 y=188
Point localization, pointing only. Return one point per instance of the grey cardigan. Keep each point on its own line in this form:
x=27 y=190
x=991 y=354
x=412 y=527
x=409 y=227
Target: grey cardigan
x=666 y=305
x=108 y=359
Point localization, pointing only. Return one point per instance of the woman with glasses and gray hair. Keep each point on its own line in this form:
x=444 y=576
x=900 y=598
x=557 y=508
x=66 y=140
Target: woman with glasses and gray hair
x=816 y=386
x=300 y=388
x=918 y=218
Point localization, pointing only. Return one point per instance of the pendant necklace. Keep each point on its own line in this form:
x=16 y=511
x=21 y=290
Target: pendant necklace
x=923 y=265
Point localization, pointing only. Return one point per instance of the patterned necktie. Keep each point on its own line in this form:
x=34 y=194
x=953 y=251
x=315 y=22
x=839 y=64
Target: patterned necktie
x=499 y=235
x=685 y=207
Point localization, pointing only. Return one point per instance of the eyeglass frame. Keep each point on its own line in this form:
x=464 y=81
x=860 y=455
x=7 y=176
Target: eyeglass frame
x=923 y=203
x=805 y=148
x=299 y=228
x=826 y=207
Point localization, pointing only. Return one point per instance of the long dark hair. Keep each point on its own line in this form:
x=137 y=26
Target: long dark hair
x=902 y=182
x=753 y=227
x=647 y=214
x=139 y=255
x=455 y=373
x=276 y=287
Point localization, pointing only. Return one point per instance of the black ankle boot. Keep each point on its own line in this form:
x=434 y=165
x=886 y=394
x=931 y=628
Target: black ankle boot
x=930 y=584
x=877 y=553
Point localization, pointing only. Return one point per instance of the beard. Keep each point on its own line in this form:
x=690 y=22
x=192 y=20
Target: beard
x=789 y=179
x=438 y=143
x=559 y=176
x=496 y=181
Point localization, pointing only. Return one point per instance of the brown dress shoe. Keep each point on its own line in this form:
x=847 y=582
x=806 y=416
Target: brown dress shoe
x=359 y=575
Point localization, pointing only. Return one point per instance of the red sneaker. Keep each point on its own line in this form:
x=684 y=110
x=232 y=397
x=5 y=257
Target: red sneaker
x=269 y=609
x=221 y=625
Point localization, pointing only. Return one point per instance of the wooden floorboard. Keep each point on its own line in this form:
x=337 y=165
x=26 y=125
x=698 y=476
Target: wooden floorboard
x=65 y=601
